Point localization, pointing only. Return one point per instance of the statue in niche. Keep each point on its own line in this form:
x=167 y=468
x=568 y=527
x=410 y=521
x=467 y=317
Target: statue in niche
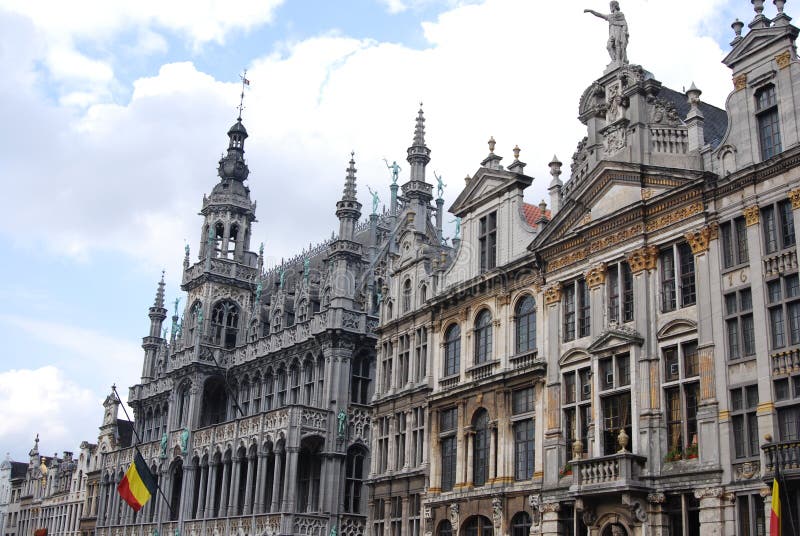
x=185 y=440
x=164 y=439
x=395 y=170
x=342 y=418
x=617 y=45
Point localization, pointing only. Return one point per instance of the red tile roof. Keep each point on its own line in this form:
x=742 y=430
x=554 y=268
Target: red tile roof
x=532 y=214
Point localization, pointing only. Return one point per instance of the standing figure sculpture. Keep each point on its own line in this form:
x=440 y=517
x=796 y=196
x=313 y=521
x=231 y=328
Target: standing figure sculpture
x=617 y=32
x=375 y=200
x=440 y=185
x=457 y=220
x=395 y=170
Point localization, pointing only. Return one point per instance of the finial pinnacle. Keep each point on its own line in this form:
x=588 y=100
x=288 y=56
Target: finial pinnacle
x=516 y=152
x=491 y=144
x=245 y=82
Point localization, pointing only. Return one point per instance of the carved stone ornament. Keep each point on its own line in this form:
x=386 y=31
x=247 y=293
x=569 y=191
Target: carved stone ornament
x=699 y=240
x=639 y=512
x=656 y=498
x=751 y=215
x=740 y=82
x=497 y=513
x=596 y=275
x=783 y=59
x=794 y=197
x=713 y=493
x=616 y=138
x=453 y=514
x=551 y=507
x=552 y=294
x=644 y=258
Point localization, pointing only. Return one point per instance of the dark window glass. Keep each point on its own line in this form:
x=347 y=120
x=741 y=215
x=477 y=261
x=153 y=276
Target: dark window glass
x=452 y=350
x=483 y=337
x=523 y=449
x=480 y=452
x=525 y=323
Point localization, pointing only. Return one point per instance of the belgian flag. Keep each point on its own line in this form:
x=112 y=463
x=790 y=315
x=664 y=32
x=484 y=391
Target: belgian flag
x=775 y=513
x=138 y=485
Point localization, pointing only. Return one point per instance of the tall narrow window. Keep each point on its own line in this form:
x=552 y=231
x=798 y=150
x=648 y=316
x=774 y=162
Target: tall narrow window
x=614 y=385
x=750 y=509
x=400 y=440
x=569 y=311
x=577 y=406
x=360 y=380
x=383 y=444
x=386 y=364
x=584 y=309
x=404 y=359
x=778 y=226
x=682 y=395
x=407 y=296
x=739 y=324
x=421 y=353
x=378 y=516
x=684 y=293
x=447 y=446
x=396 y=516
x=783 y=299
x=354 y=480
x=483 y=337
x=525 y=325
x=523 y=427
x=769 y=133
x=225 y=324
x=487 y=240
x=417 y=436
x=452 y=350
x=480 y=448
x=308 y=382
x=744 y=401
x=734 y=242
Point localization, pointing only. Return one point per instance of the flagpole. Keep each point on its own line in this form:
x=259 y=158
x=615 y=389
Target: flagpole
x=136 y=447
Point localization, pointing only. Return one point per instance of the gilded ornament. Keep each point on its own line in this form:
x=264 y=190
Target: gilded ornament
x=698 y=240
x=647 y=193
x=596 y=275
x=783 y=59
x=644 y=258
x=552 y=294
x=751 y=215
x=794 y=197
x=674 y=216
x=740 y=82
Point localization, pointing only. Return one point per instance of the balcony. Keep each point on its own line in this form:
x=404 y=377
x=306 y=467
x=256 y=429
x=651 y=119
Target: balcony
x=785 y=361
x=608 y=474
x=783 y=456
x=784 y=261
x=482 y=370
x=526 y=360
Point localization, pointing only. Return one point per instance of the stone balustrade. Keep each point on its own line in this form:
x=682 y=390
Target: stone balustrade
x=672 y=140
x=525 y=360
x=785 y=362
x=449 y=382
x=783 y=456
x=608 y=473
x=221 y=267
x=481 y=371
x=783 y=261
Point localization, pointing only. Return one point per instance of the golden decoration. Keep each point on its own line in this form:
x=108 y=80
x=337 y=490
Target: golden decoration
x=587 y=218
x=751 y=216
x=552 y=294
x=740 y=82
x=794 y=197
x=783 y=59
x=699 y=239
x=596 y=275
x=674 y=216
x=644 y=258
x=566 y=260
x=647 y=193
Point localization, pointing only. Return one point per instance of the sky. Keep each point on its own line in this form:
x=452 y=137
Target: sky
x=114 y=115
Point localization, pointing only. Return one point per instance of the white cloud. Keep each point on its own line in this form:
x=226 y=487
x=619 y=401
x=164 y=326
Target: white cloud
x=44 y=401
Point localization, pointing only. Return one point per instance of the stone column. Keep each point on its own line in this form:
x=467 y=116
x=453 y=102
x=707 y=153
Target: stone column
x=492 y=451
x=187 y=491
x=213 y=469
x=261 y=483
x=224 y=493
x=435 y=468
x=248 y=492
x=550 y=524
x=276 y=481
x=233 y=494
x=409 y=438
x=717 y=514
x=469 y=439
x=290 y=480
x=201 y=500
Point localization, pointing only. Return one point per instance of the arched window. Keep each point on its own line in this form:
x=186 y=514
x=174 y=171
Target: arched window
x=281 y=388
x=302 y=311
x=525 y=325
x=225 y=324
x=388 y=309
x=269 y=390
x=194 y=326
x=480 y=448
x=483 y=337
x=244 y=396
x=360 y=380
x=423 y=293
x=320 y=380
x=308 y=382
x=219 y=234
x=354 y=480
x=233 y=237
x=478 y=526
x=445 y=529
x=452 y=350
x=277 y=321
x=521 y=524
x=214 y=403
x=148 y=425
x=177 y=485
x=407 y=296
x=294 y=378
x=256 y=398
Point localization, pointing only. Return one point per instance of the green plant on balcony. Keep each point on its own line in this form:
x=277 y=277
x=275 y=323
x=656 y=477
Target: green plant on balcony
x=566 y=470
x=674 y=455
x=691 y=452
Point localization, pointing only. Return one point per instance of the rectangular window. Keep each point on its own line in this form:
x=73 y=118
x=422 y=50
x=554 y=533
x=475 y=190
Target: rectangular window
x=400 y=440
x=685 y=294
x=404 y=357
x=620 y=293
x=783 y=297
x=523 y=449
x=667 y=261
x=769 y=133
x=569 y=387
x=522 y=401
x=383 y=444
x=487 y=239
x=613 y=294
x=750 y=511
x=569 y=312
x=386 y=365
x=448 y=448
x=378 y=514
x=396 y=516
x=681 y=396
x=616 y=417
x=584 y=309
x=688 y=292
x=417 y=436
x=421 y=353
x=744 y=401
x=734 y=242
x=414 y=517
x=739 y=326
x=577 y=407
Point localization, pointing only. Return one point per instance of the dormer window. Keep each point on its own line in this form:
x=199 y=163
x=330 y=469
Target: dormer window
x=487 y=240
x=768 y=122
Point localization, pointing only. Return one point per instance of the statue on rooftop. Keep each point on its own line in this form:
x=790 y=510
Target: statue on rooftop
x=306 y=268
x=440 y=185
x=617 y=45
x=458 y=226
x=375 y=200
x=395 y=170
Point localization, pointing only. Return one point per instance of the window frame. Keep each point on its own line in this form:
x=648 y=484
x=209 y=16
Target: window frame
x=768 y=121
x=686 y=384
x=487 y=241
x=483 y=333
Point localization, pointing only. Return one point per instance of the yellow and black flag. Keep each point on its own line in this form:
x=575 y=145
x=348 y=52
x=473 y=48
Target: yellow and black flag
x=138 y=485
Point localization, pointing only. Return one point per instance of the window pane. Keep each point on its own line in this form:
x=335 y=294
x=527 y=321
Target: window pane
x=741 y=240
x=671 y=370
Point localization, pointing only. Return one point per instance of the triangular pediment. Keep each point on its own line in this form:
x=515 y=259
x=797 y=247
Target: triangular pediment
x=486 y=184
x=757 y=40
x=615 y=338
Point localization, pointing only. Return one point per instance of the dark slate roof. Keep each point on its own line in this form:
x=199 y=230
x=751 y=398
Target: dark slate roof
x=125 y=431
x=18 y=470
x=716 y=119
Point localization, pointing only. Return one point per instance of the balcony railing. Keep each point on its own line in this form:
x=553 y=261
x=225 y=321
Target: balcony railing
x=785 y=362
x=481 y=371
x=784 y=261
x=783 y=456
x=526 y=360
x=606 y=474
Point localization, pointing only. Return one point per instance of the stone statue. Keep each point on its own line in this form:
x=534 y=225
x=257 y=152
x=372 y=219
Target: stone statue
x=375 y=200
x=440 y=186
x=282 y=277
x=259 y=288
x=458 y=226
x=342 y=422
x=395 y=170
x=261 y=250
x=186 y=249
x=164 y=440
x=617 y=45
x=185 y=440
x=177 y=301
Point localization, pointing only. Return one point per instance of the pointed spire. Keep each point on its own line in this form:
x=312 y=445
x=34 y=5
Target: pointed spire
x=159 y=303
x=418 y=154
x=349 y=193
x=419 y=129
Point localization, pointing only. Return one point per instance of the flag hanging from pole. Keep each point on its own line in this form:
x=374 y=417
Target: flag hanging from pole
x=775 y=513
x=246 y=81
x=138 y=485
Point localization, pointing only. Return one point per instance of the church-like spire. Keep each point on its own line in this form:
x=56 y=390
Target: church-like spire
x=348 y=210
x=418 y=154
x=159 y=302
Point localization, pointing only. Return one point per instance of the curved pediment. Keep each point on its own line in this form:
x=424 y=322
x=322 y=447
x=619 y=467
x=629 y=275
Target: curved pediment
x=676 y=328
x=575 y=355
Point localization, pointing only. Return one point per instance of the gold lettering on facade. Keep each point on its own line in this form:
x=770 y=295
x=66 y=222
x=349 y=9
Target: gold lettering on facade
x=751 y=215
x=783 y=59
x=794 y=197
x=644 y=258
x=552 y=294
x=596 y=275
x=740 y=82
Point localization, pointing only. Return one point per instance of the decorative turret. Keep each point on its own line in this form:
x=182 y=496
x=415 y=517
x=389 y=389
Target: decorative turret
x=418 y=154
x=348 y=210
x=232 y=166
x=694 y=119
x=153 y=340
x=555 y=185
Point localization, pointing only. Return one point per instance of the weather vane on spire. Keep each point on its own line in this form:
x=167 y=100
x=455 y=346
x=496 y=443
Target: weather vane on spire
x=245 y=82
